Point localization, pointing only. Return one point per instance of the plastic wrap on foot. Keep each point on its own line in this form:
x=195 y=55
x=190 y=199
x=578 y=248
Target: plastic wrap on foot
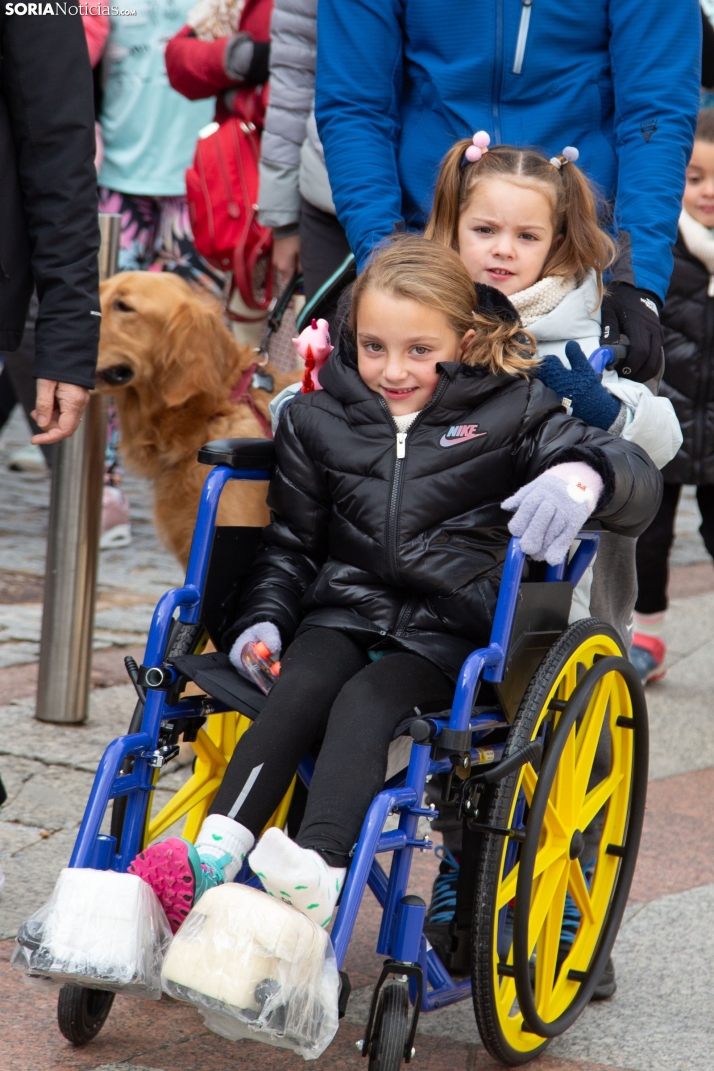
x=256 y=968
x=99 y=929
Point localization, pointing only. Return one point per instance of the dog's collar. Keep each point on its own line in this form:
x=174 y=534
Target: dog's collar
x=240 y=395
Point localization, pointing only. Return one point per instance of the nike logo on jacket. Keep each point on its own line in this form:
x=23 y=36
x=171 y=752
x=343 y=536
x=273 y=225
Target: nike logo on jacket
x=460 y=433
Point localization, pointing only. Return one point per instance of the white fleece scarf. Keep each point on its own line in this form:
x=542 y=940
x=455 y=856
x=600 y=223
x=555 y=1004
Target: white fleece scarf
x=541 y=298
x=699 y=240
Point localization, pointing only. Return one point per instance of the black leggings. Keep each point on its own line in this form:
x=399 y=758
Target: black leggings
x=328 y=693
x=655 y=543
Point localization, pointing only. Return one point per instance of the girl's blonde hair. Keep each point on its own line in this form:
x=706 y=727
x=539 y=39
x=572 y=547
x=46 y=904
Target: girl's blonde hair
x=580 y=244
x=421 y=270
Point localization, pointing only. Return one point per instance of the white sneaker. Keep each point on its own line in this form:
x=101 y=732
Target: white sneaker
x=28 y=459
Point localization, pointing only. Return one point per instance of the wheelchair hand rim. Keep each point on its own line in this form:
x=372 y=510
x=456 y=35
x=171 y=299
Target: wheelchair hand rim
x=576 y=706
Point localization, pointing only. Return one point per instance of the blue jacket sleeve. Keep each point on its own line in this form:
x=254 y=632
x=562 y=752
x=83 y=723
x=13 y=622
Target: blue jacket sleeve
x=655 y=52
x=357 y=107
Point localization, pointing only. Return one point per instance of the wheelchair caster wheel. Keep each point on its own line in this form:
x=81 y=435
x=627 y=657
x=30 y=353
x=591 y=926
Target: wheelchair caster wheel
x=81 y=1013
x=389 y=1038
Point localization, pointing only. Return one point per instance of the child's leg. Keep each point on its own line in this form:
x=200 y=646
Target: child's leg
x=614 y=584
x=313 y=670
x=705 y=501
x=348 y=774
x=653 y=547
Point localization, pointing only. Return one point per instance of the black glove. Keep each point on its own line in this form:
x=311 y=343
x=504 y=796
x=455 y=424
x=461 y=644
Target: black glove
x=627 y=310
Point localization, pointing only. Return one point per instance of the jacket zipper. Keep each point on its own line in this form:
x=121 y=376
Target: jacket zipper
x=526 y=8
x=702 y=392
x=395 y=494
x=497 y=80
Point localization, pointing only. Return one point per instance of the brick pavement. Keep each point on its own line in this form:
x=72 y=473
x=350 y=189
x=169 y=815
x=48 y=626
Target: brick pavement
x=660 y=1018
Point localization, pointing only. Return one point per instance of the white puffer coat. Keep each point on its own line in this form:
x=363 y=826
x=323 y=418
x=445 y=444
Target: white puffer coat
x=292 y=161
x=652 y=422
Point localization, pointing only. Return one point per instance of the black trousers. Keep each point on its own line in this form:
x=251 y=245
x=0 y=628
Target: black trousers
x=329 y=693
x=655 y=543
x=323 y=247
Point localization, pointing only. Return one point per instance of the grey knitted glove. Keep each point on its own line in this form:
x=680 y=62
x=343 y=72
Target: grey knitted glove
x=551 y=510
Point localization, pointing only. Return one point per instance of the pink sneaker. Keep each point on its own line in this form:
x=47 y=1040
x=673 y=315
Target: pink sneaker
x=647 y=655
x=177 y=874
x=166 y=867
x=116 y=530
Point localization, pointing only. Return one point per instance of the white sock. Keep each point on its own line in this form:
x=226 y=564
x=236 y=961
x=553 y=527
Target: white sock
x=297 y=876
x=222 y=836
x=650 y=624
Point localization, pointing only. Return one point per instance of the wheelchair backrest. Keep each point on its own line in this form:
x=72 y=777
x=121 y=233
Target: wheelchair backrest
x=232 y=553
x=541 y=617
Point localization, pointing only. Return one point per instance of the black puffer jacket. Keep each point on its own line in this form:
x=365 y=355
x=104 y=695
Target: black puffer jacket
x=411 y=551
x=688 y=321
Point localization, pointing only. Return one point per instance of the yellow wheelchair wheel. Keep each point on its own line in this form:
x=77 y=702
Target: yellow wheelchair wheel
x=575 y=825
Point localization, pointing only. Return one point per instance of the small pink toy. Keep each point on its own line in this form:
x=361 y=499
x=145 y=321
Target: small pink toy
x=314 y=347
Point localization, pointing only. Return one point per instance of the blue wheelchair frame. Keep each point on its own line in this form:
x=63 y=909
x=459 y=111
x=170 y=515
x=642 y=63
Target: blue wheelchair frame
x=401 y=935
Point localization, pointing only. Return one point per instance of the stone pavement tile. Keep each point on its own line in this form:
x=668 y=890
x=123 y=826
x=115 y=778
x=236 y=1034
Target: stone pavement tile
x=688 y=580
x=677 y=848
x=660 y=1018
x=15 y=838
x=30 y=876
x=690 y=625
x=680 y=714
x=52 y=798
x=168 y=1036
x=81 y=746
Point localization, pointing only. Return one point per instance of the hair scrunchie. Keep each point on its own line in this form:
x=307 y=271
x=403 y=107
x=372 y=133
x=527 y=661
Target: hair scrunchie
x=569 y=155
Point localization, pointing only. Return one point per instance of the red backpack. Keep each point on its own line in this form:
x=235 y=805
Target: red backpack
x=222 y=191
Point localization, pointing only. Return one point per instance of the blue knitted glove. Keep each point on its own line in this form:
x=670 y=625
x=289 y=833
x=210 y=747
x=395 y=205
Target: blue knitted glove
x=590 y=401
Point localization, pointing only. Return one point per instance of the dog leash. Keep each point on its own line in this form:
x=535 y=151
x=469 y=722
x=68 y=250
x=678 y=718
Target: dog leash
x=241 y=395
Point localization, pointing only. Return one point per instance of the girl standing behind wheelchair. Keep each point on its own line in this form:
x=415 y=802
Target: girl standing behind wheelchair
x=528 y=226
x=380 y=569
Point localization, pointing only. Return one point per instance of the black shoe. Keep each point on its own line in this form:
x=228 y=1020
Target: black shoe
x=441 y=910
x=607 y=984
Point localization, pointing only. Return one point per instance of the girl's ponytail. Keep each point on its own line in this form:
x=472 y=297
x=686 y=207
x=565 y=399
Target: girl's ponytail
x=443 y=225
x=433 y=275
x=583 y=244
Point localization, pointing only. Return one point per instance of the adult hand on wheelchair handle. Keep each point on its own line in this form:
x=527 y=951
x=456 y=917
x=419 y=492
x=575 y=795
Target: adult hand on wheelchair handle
x=628 y=310
x=58 y=410
x=551 y=510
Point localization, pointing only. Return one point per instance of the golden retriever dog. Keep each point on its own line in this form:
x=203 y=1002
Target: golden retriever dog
x=170 y=362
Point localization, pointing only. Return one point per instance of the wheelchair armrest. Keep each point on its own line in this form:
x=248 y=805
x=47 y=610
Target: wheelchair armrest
x=239 y=453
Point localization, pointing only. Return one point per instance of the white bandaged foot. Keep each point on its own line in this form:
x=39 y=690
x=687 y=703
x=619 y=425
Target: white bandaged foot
x=220 y=836
x=297 y=876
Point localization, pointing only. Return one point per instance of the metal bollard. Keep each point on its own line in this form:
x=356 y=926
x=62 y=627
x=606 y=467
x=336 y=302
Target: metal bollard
x=73 y=547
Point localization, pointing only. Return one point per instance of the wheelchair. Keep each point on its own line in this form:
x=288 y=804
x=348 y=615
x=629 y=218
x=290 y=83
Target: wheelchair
x=544 y=752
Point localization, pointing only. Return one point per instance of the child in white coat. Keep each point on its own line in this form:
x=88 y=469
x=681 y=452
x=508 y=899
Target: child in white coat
x=528 y=227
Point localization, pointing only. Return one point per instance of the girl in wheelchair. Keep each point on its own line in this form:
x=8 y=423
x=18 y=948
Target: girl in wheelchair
x=380 y=568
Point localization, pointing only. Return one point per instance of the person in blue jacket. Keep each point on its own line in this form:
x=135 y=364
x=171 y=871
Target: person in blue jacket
x=399 y=81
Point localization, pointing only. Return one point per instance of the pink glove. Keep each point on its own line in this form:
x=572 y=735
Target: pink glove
x=314 y=346
x=551 y=510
